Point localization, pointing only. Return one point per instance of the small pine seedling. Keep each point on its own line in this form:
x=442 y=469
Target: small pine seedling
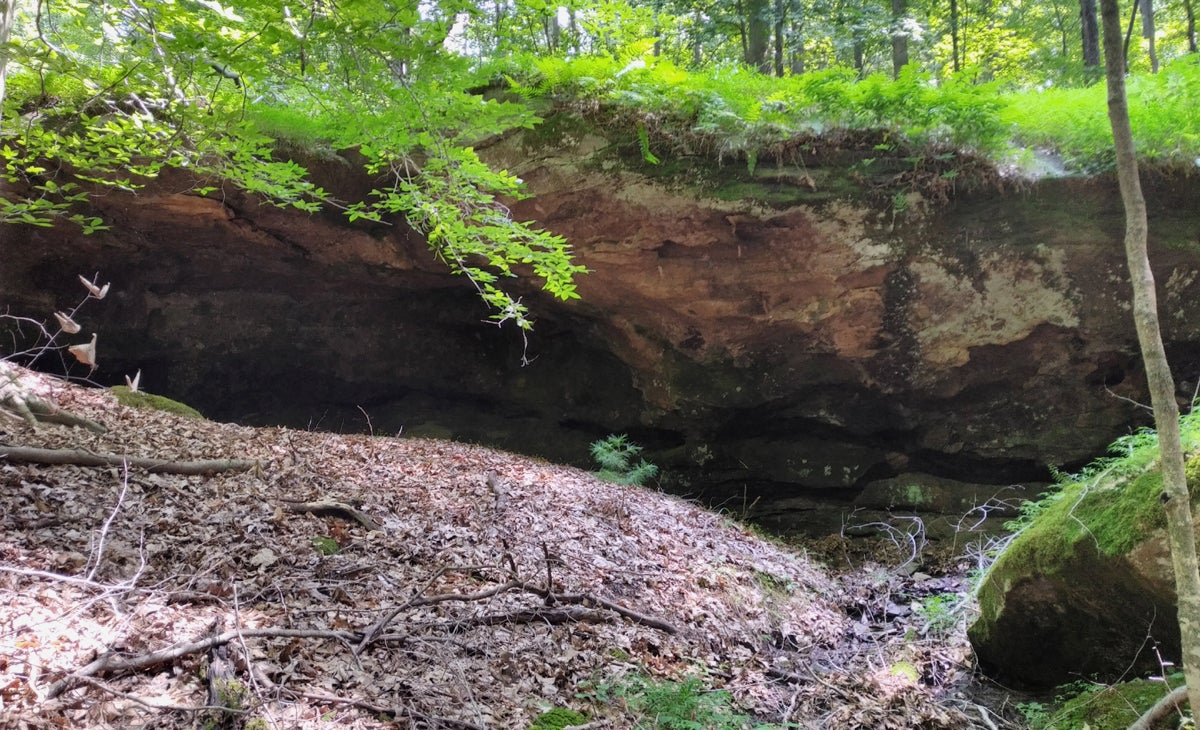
x=615 y=456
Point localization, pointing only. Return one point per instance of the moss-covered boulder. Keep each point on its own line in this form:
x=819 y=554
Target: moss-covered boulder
x=1112 y=708
x=149 y=401
x=1086 y=590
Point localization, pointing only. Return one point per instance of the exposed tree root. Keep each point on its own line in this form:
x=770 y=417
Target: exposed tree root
x=86 y=458
x=1161 y=709
x=333 y=509
x=34 y=410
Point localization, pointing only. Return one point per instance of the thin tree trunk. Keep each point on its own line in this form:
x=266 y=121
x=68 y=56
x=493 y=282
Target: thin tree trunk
x=1177 y=501
x=8 y=10
x=743 y=32
x=780 y=13
x=1062 y=28
x=1148 y=32
x=954 y=33
x=899 y=37
x=797 y=45
x=1191 y=26
x=1089 y=30
x=1133 y=11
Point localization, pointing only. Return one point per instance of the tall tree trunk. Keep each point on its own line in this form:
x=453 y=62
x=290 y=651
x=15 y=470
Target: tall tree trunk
x=1089 y=30
x=758 y=34
x=1191 y=26
x=899 y=37
x=1148 y=32
x=552 y=31
x=697 y=24
x=8 y=9
x=1133 y=11
x=780 y=15
x=797 y=57
x=573 y=29
x=1176 y=500
x=743 y=32
x=1062 y=29
x=954 y=33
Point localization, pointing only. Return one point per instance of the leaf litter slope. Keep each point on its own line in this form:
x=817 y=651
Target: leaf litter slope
x=494 y=586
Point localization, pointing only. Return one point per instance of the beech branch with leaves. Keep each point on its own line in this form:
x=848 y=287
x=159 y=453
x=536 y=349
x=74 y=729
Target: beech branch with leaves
x=212 y=88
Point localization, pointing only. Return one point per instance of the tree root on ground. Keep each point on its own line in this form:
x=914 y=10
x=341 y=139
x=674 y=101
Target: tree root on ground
x=333 y=509
x=34 y=410
x=86 y=458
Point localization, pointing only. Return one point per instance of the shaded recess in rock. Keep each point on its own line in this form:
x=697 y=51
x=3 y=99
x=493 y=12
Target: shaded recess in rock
x=812 y=346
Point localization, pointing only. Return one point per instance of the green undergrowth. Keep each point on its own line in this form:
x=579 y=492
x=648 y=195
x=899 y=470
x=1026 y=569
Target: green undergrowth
x=1112 y=504
x=687 y=704
x=739 y=113
x=1101 y=707
x=1074 y=121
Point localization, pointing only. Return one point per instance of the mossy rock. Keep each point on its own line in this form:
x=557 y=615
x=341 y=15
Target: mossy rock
x=150 y=402
x=557 y=719
x=1077 y=591
x=1113 y=708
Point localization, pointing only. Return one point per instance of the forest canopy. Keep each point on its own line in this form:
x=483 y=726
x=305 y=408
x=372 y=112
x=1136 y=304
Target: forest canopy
x=111 y=94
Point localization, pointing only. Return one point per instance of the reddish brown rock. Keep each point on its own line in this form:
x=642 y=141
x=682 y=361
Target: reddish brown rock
x=821 y=341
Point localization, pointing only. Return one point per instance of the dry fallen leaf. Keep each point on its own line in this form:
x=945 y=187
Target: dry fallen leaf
x=66 y=324
x=85 y=353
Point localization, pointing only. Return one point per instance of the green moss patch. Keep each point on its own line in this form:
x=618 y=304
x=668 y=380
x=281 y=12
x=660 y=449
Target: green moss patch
x=150 y=402
x=557 y=719
x=1110 y=708
x=1113 y=517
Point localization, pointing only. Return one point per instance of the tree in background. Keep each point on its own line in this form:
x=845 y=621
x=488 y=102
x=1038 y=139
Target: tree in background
x=119 y=92
x=1089 y=31
x=8 y=10
x=1180 y=528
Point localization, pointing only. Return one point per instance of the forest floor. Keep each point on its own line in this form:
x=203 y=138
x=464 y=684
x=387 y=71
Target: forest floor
x=364 y=582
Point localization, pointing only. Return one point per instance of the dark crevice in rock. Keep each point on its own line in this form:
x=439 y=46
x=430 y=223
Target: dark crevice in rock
x=808 y=351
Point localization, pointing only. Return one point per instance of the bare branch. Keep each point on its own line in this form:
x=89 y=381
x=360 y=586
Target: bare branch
x=154 y=466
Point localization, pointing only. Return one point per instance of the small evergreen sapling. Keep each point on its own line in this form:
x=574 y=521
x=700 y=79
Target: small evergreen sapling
x=615 y=455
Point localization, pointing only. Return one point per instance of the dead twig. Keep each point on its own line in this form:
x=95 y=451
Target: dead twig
x=396 y=712
x=550 y=598
x=92 y=681
x=102 y=537
x=114 y=663
x=78 y=457
x=340 y=510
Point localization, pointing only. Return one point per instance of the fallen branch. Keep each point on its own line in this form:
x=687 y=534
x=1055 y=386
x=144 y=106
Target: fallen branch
x=395 y=712
x=158 y=705
x=538 y=615
x=334 y=509
x=580 y=599
x=156 y=466
x=634 y=616
x=116 y=663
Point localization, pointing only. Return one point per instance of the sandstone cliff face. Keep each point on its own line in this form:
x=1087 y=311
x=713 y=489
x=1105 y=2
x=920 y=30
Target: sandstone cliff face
x=781 y=342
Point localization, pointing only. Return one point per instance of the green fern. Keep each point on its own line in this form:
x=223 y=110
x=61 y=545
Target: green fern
x=644 y=145
x=615 y=456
